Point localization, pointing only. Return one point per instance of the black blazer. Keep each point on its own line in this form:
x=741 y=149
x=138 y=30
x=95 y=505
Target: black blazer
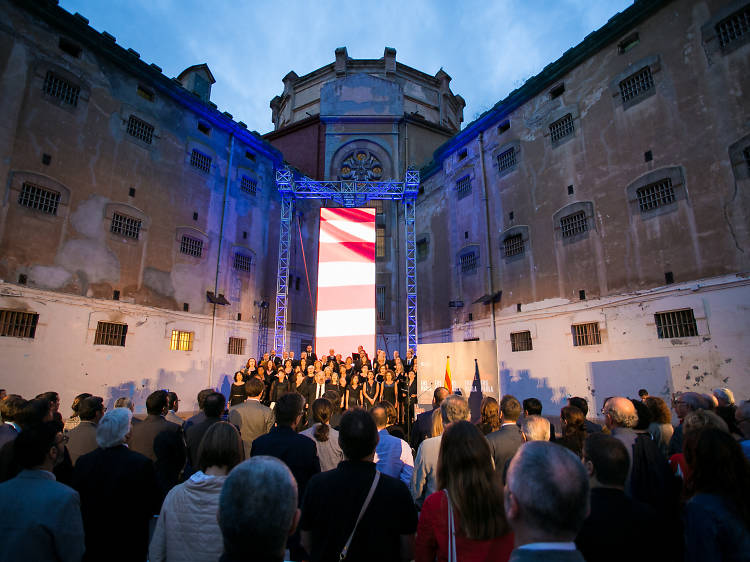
x=504 y=443
x=422 y=429
x=116 y=477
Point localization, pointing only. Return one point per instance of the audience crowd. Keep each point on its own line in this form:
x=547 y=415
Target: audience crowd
x=322 y=460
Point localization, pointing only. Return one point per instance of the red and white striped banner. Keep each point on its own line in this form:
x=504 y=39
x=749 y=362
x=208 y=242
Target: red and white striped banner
x=345 y=316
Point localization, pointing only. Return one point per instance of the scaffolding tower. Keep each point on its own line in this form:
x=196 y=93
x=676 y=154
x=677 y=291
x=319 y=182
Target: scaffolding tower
x=348 y=194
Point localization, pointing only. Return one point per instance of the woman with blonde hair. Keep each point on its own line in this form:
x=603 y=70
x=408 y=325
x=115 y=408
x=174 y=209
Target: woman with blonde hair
x=465 y=519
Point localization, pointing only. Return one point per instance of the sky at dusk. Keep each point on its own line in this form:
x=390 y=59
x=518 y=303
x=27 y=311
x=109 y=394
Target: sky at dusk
x=488 y=48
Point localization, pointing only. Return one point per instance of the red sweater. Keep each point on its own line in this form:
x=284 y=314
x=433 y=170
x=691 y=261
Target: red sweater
x=432 y=537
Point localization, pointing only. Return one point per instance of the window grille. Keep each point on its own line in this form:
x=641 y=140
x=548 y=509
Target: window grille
x=513 y=245
x=16 y=324
x=181 y=341
x=380 y=302
x=59 y=88
x=191 y=246
x=140 y=129
x=468 y=262
x=236 y=346
x=248 y=185
x=734 y=28
x=506 y=159
x=586 y=334
x=636 y=84
x=125 y=225
x=200 y=161
x=242 y=262
x=655 y=195
x=379 y=241
x=39 y=198
x=561 y=128
x=521 y=341
x=676 y=324
x=463 y=187
x=574 y=224
x=109 y=333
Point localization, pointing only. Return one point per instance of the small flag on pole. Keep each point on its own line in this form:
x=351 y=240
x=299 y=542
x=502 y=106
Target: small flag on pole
x=448 y=383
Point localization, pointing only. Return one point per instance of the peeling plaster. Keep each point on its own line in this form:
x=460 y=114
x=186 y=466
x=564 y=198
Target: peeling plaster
x=49 y=277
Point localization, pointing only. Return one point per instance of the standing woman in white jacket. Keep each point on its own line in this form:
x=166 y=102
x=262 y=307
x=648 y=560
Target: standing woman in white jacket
x=187 y=529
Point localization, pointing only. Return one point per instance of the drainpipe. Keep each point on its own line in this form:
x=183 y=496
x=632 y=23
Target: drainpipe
x=218 y=260
x=490 y=286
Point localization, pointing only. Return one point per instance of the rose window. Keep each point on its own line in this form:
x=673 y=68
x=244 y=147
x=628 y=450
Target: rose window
x=361 y=165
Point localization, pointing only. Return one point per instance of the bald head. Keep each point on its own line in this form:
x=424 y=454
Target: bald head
x=620 y=412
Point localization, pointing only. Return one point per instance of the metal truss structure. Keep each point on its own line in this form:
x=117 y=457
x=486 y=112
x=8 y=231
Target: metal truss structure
x=348 y=193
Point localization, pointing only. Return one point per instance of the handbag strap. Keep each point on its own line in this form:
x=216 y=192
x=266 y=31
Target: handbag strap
x=451 y=531
x=374 y=485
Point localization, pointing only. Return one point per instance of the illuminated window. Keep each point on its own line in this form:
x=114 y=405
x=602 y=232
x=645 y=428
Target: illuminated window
x=637 y=85
x=463 y=187
x=676 y=324
x=200 y=161
x=521 y=341
x=561 y=128
x=236 y=346
x=734 y=29
x=18 y=324
x=191 y=246
x=586 y=334
x=39 y=198
x=573 y=224
x=125 y=226
x=181 y=341
x=59 y=88
x=513 y=245
x=140 y=129
x=380 y=241
x=248 y=185
x=655 y=195
x=109 y=333
x=242 y=262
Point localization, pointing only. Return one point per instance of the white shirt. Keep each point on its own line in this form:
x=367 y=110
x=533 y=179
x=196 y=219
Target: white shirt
x=321 y=390
x=393 y=457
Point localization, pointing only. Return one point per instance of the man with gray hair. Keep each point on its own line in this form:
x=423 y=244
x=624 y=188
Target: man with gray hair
x=546 y=502
x=424 y=478
x=103 y=478
x=683 y=404
x=125 y=402
x=535 y=428
x=250 y=529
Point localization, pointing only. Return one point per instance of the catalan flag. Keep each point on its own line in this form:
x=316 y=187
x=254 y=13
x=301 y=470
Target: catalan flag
x=448 y=383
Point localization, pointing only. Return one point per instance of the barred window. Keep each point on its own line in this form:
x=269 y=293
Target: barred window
x=513 y=245
x=125 y=226
x=248 y=185
x=17 y=324
x=586 y=334
x=39 y=198
x=655 y=195
x=676 y=324
x=380 y=241
x=463 y=187
x=181 y=341
x=200 y=161
x=59 y=88
x=636 y=84
x=109 y=333
x=574 y=224
x=242 y=262
x=380 y=302
x=191 y=246
x=468 y=262
x=236 y=346
x=506 y=159
x=734 y=28
x=561 y=128
x=521 y=341
x=140 y=129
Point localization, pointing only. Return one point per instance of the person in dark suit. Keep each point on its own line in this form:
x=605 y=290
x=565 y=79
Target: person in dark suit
x=9 y=409
x=82 y=438
x=201 y=415
x=580 y=403
x=615 y=519
x=213 y=407
x=505 y=441
x=119 y=493
x=311 y=356
x=533 y=407
x=253 y=418
x=546 y=501
x=422 y=428
x=144 y=433
x=410 y=361
x=42 y=517
x=318 y=388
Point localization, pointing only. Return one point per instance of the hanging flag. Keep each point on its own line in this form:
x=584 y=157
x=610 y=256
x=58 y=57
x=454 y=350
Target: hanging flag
x=448 y=383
